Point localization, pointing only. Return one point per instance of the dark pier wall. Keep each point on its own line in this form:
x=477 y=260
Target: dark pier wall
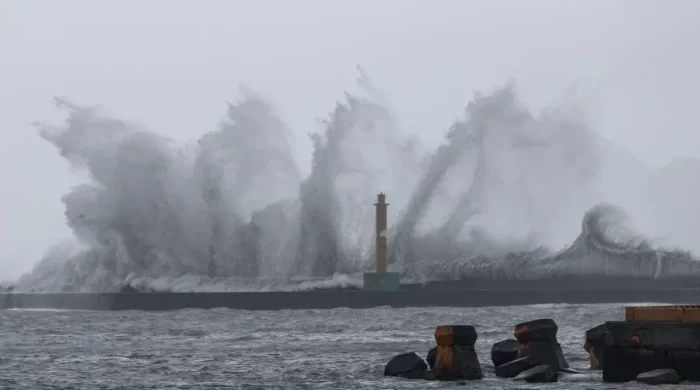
x=564 y=282
x=338 y=299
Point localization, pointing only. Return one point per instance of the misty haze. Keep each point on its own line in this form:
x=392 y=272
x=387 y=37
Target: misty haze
x=487 y=184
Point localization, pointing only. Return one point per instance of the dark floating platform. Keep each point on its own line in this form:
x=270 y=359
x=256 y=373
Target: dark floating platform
x=339 y=299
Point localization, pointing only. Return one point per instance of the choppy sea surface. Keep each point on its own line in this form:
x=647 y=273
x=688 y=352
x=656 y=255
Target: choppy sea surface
x=294 y=349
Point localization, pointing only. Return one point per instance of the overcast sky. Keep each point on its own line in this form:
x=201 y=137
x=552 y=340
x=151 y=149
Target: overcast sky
x=171 y=65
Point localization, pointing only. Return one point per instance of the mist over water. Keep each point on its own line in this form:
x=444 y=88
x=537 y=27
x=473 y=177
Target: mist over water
x=503 y=192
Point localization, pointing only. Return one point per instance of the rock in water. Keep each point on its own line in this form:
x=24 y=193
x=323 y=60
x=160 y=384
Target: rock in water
x=431 y=357
x=455 y=357
x=538 y=339
x=407 y=365
x=539 y=374
x=504 y=351
x=515 y=367
x=595 y=338
x=664 y=376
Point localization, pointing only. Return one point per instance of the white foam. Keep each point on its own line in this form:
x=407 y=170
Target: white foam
x=232 y=213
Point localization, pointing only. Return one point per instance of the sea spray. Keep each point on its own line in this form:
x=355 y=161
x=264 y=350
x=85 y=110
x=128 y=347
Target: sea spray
x=244 y=166
x=232 y=212
x=360 y=151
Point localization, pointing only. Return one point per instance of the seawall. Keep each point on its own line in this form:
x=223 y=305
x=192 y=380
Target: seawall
x=337 y=299
x=563 y=282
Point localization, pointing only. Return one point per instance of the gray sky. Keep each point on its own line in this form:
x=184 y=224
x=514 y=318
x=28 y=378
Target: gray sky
x=171 y=65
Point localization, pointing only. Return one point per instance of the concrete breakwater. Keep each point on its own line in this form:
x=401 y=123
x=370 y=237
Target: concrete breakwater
x=561 y=282
x=159 y=301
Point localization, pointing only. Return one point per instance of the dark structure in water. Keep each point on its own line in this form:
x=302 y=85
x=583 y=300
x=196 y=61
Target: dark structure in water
x=338 y=299
x=654 y=345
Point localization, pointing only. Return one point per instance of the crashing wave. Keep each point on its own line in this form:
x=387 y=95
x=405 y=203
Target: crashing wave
x=606 y=247
x=233 y=212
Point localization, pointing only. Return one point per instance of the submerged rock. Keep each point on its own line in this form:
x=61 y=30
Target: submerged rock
x=664 y=376
x=406 y=365
x=504 y=351
x=539 y=374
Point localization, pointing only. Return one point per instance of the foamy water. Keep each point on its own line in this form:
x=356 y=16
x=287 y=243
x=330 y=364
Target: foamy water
x=218 y=349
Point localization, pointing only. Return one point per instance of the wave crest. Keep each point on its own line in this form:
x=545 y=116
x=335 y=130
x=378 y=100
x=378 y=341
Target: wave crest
x=233 y=212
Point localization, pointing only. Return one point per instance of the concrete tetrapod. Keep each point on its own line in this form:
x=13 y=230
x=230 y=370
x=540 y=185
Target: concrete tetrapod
x=536 y=345
x=538 y=339
x=455 y=357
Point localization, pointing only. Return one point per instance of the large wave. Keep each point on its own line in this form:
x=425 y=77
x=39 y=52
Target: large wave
x=233 y=212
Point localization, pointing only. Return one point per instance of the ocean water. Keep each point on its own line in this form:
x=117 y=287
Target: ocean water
x=230 y=349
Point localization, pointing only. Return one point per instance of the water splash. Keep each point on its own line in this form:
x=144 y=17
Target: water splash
x=233 y=212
